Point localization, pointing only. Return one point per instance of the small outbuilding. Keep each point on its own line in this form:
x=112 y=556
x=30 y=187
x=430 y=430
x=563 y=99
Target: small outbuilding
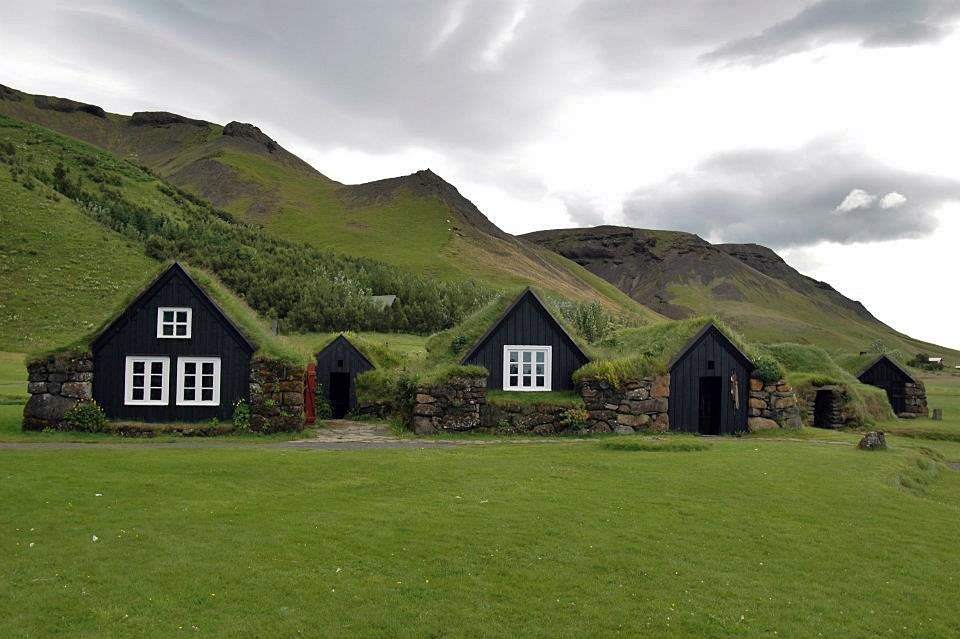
x=907 y=395
x=172 y=355
x=338 y=365
x=527 y=349
x=709 y=385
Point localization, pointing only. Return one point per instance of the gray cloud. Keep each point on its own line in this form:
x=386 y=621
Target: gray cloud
x=870 y=23
x=794 y=198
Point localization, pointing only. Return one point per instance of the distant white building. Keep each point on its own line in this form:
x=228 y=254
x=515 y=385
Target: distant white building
x=935 y=360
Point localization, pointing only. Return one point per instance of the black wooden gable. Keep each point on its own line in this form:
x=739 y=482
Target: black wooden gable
x=884 y=369
x=176 y=276
x=528 y=322
x=709 y=385
x=341 y=354
x=711 y=330
x=135 y=336
x=338 y=364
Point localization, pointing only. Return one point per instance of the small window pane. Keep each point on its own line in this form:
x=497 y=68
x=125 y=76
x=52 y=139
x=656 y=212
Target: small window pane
x=156 y=368
x=526 y=369
x=167 y=316
x=539 y=369
x=208 y=368
x=513 y=356
x=539 y=356
x=155 y=394
x=181 y=329
x=168 y=329
x=526 y=381
x=526 y=356
x=206 y=394
x=181 y=317
x=137 y=394
x=189 y=394
x=513 y=380
x=514 y=369
x=138 y=368
x=540 y=381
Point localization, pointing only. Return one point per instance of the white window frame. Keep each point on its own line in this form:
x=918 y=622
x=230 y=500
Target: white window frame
x=128 y=385
x=533 y=350
x=198 y=387
x=174 y=309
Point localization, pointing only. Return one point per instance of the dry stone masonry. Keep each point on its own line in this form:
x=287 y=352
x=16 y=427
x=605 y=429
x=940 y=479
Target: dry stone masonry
x=638 y=405
x=540 y=418
x=772 y=405
x=276 y=396
x=56 y=384
x=915 y=401
x=451 y=406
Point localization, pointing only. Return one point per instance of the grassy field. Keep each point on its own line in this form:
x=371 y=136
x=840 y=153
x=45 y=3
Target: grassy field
x=792 y=535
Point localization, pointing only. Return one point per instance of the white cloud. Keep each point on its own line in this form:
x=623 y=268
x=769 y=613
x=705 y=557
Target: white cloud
x=892 y=200
x=856 y=199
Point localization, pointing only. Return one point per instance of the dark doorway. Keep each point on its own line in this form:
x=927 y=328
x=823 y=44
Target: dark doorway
x=825 y=409
x=339 y=394
x=711 y=392
x=896 y=398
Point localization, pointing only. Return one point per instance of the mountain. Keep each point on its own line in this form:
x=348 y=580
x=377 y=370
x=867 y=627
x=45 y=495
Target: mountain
x=679 y=275
x=419 y=221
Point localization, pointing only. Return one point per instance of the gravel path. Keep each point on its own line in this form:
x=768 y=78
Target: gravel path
x=336 y=434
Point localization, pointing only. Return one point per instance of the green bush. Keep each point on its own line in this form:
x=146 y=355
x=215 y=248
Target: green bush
x=768 y=368
x=241 y=415
x=86 y=416
x=575 y=418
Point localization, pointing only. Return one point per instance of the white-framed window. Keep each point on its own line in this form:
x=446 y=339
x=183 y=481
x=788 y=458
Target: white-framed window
x=174 y=322
x=526 y=368
x=198 y=381
x=145 y=381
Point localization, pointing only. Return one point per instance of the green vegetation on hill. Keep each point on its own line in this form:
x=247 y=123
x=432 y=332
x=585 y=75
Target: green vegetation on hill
x=308 y=288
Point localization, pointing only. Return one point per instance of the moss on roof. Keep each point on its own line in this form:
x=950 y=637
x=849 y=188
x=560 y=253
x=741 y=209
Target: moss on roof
x=255 y=328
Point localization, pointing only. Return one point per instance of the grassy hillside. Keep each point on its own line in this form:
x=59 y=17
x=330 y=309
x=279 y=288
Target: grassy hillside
x=416 y=222
x=748 y=286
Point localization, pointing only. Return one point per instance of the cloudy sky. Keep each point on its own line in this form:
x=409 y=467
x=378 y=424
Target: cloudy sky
x=825 y=129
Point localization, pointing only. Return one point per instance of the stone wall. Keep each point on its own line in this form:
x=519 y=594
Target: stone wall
x=56 y=384
x=772 y=405
x=915 y=400
x=517 y=418
x=453 y=405
x=276 y=396
x=638 y=405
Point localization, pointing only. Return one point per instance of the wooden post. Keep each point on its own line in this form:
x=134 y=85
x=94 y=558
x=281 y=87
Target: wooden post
x=938 y=413
x=310 y=392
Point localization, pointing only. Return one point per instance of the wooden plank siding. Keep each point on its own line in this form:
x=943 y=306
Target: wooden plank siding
x=691 y=364
x=341 y=356
x=134 y=333
x=886 y=374
x=527 y=322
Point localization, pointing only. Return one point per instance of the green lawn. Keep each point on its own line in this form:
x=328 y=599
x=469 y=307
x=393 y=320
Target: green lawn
x=788 y=534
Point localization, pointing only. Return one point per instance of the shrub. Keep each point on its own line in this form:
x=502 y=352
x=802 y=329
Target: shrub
x=321 y=406
x=768 y=368
x=85 y=416
x=574 y=418
x=241 y=415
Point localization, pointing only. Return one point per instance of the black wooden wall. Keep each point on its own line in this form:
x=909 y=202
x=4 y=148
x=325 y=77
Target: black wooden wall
x=528 y=323
x=135 y=333
x=685 y=374
x=341 y=356
x=888 y=376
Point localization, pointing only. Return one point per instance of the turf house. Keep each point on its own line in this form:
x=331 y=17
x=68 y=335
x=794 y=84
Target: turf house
x=171 y=355
x=338 y=365
x=709 y=385
x=906 y=395
x=527 y=349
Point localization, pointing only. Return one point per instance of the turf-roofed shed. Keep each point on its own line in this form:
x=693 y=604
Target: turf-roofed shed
x=906 y=394
x=172 y=355
x=527 y=349
x=338 y=365
x=709 y=385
